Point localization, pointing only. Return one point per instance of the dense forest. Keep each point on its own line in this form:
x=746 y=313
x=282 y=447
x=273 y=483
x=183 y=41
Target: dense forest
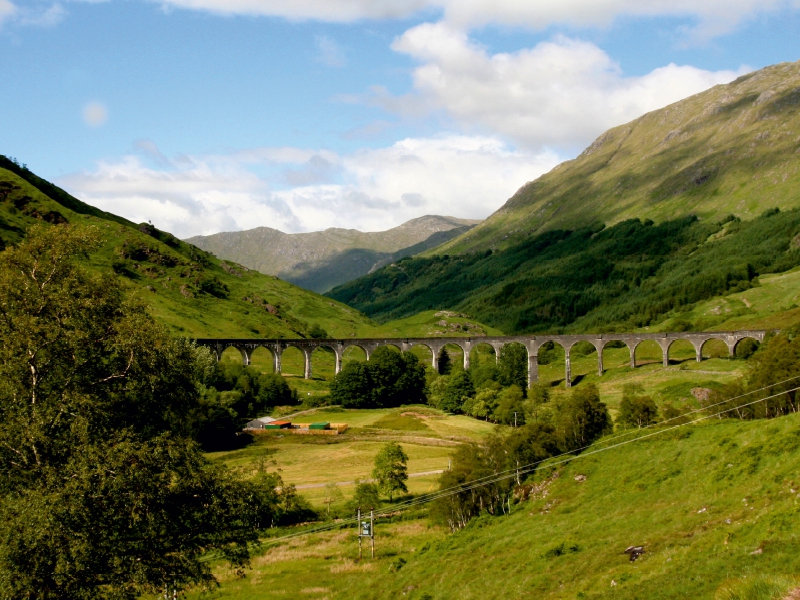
x=598 y=278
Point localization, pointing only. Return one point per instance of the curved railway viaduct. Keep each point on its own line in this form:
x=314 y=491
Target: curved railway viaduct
x=531 y=343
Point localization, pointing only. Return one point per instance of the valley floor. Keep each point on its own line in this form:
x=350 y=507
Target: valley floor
x=715 y=506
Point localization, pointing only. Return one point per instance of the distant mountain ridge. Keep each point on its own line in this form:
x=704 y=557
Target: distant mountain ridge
x=321 y=260
x=733 y=149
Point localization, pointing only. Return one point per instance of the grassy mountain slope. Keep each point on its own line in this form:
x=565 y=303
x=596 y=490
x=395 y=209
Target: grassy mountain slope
x=634 y=274
x=322 y=260
x=189 y=290
x=732 y=149
x=715 y=506
x=711 y=505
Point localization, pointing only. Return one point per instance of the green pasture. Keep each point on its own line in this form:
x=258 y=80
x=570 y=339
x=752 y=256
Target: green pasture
x=427 y=436
x=715 y=506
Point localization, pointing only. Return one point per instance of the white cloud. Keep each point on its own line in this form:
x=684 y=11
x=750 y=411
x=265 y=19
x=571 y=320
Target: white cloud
x=464 y=176
x=561 y=93
x=339 y=11
x=713 y=16
x=38 y=16
x=95 y=114
x=330 y=53
x=7 y=10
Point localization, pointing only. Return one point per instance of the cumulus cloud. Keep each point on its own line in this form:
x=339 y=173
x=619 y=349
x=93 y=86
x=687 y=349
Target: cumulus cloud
x=95 y=114
x=713 y=17
x=561 y=93
x=375 y=189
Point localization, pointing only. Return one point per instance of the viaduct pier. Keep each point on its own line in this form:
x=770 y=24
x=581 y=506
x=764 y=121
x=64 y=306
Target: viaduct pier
x=532 y=345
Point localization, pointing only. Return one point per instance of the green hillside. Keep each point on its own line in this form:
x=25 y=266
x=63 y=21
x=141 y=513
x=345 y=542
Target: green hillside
x=715 y=507
x=634 y=274
x=688 y=203
x=732 y=149
x=191 y=291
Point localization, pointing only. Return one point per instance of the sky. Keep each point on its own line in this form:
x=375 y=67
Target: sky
x=221 y=115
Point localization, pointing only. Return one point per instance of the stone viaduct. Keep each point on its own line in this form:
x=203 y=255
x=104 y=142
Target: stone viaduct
x=531 y=343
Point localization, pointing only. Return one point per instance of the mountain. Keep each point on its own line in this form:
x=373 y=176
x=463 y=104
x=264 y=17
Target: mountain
x=187 y=289
x=690 y=202
x=321 y=260
x=732 y=149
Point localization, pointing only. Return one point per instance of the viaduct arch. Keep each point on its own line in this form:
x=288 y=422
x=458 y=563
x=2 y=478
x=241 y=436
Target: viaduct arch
x=531 y=343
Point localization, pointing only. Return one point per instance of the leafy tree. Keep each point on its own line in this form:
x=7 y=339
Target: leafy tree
x=510 y=401
x=513 y=366
x=365 y=497
x=777 y=360
x=530 y=444
x=388 y=379
x=390 y=470
x=636 y=409
x=483 y=405
x=102 y=492
x=317 y=332
x=333 y=494
x=484 y=374
x=458 y=390
x=581 y=418
x=351 y=386
x=746 y=348
x=437 y=388
x=538 y=397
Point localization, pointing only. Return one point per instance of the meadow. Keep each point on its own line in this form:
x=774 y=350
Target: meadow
x=714 y=505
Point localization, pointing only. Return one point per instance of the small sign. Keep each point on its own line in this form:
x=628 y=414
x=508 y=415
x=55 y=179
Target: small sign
x=366 y=529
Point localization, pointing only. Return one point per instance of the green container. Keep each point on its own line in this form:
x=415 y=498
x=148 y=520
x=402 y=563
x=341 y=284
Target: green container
x=320 y=426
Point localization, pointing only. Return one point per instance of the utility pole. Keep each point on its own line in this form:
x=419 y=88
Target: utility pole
x=366 y=529
x=372 y=529
x=359 y=533
x=515 y=419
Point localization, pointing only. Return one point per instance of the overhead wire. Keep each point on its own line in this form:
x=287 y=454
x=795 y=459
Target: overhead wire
x=552 y=460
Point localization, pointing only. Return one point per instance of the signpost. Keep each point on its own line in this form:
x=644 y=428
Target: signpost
x=367 y=530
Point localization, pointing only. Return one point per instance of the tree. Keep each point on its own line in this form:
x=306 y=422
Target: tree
x=510 y=401
x=332 y=495
x=102 y=492
x=538 y=396
x=390 y=470
x=445 y=363
x=458 y=390
x=581 y=418
x=636 y=410
x=365 y=497
x=513 y=365
x=483 y=405
x=351 y=386
x=389 y=378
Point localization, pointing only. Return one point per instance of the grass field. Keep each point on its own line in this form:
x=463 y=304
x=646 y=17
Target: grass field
x=715 y=506
x=427 y=436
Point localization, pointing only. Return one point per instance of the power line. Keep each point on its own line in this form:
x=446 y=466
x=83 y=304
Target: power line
x=551 y=461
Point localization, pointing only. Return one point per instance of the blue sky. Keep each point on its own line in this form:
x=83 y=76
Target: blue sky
x=211 y=115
